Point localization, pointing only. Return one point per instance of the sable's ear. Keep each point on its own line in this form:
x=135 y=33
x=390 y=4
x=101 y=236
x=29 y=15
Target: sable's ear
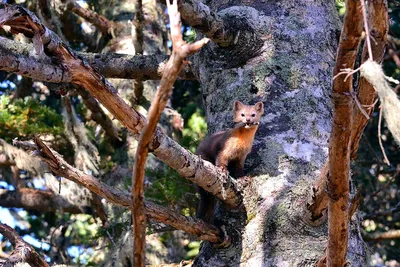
x=260 y=107
x=238 y=105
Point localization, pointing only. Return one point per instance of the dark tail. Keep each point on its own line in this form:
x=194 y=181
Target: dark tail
x=205 y=210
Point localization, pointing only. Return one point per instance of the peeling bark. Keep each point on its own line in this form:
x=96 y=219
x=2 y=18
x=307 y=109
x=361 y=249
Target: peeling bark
x=340 y=142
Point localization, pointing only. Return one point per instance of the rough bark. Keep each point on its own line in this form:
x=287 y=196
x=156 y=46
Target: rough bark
x=378 y=21
x=340 y=142
x=291 y=73
x=18 y=59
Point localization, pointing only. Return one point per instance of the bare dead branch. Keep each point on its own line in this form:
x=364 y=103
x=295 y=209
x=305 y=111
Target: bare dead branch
x=38 y=200
x=60 y=167
x=340 y=142
x=180 y=51
x=99 y=21
x=23 y=252
x=189 y=166
x=15 y=57
x=378 y=21
x=138 y=38
x=391 y=234
x=98 y=115
x=395 y=57
x=379 y=24
x=354 y=203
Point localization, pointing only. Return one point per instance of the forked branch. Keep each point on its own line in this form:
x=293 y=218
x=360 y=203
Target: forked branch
x=60 y=167
x=180 y=50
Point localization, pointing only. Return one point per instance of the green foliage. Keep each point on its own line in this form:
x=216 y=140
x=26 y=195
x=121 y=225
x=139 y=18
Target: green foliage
x=189 y=35
x=168 y=188
x=22 y=118
x=341 y=7
x=194 y=131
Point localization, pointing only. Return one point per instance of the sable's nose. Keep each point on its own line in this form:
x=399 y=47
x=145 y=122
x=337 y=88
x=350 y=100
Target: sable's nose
x=248 y=120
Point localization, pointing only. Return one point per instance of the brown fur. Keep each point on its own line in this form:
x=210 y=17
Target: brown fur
x=229 y=149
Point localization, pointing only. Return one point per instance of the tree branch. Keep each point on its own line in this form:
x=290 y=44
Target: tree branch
x=37 y=200
x=379 y=23
x=179 y=52
x=340 y=142
x=200 y=17
x=378 y=20
x=60 y=167
x=391 y=234
x=189 y=166
x=99 y=116
x=23 y=252
x=16 y=57
x=99 y=21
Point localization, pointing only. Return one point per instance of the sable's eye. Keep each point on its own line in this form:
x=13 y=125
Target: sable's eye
x=253 y=115
x=242 y=114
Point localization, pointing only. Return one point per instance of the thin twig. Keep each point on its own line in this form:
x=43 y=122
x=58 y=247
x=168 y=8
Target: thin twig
x=180 y=51
x=386 y=160
x=367 y=33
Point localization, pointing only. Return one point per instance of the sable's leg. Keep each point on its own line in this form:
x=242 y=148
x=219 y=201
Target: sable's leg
x=222 y=162
x=239 y=168
x=242 y=178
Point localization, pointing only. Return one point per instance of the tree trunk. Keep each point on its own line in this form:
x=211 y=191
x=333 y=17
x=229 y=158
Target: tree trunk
x=283 y=56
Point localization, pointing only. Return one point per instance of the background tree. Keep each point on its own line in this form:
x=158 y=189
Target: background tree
x=279 y=53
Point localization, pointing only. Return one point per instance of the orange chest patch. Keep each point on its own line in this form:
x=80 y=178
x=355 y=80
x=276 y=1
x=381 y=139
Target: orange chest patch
x=240 y=141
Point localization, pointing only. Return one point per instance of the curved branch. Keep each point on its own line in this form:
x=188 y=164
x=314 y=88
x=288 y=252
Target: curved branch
x=60 y=167
x=23 y=252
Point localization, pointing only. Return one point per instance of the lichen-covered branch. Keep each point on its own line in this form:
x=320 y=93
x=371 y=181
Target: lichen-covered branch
x=15 y=57
x=188 y=165
x=23 y=252
x=180 y=51
x=37 y=200
x=60 y=167
x=340 y=142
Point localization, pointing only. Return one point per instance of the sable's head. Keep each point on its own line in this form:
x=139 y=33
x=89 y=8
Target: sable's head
x=247 y=116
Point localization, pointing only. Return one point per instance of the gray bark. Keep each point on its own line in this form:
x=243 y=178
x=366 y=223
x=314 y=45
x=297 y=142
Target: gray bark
x=284 y=56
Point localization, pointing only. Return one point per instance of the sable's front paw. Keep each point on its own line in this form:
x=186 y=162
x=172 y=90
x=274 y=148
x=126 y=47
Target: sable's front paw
x=223 y=169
